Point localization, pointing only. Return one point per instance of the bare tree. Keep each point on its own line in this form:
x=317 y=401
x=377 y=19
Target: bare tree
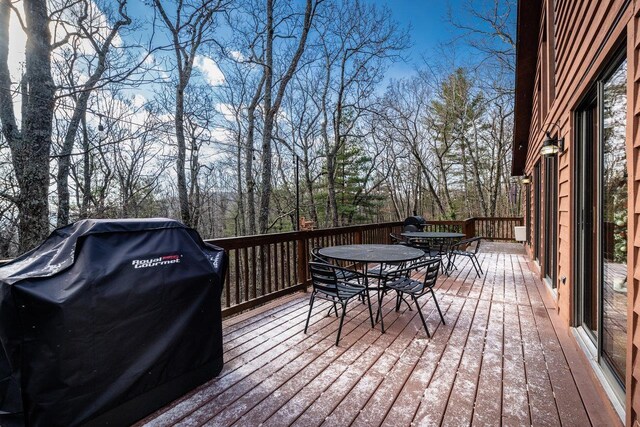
x=271 y=103
x=191 y=25
x=357 y=39
x=30 y=145
x=88 y=22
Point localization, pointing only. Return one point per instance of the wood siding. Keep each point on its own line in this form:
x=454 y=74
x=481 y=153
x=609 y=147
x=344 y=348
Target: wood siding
x=583 y=36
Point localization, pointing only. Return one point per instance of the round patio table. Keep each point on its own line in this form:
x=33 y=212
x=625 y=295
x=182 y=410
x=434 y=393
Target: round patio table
x=377 y=254
x=383 y=254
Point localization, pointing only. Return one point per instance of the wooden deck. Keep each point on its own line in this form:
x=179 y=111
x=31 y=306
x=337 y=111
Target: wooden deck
x=502 y=358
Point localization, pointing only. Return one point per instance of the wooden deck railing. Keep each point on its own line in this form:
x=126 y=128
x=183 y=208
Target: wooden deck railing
x=264 y=267
x=500 y=228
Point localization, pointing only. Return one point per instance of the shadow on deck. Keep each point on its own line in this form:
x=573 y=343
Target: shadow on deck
x=504 y=357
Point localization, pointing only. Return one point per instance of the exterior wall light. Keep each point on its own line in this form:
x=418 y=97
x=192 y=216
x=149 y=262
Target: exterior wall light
x=552 y=146
x=525 y=180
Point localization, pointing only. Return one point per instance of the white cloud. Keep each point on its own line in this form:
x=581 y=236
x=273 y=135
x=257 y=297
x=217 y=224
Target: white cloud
x=237 y=55
x=209 y=69
x=139 y=100
x=226 y=110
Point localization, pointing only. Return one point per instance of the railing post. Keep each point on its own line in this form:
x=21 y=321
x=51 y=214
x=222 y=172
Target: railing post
x=302 y=256
x=469 y=228
x=358 y=237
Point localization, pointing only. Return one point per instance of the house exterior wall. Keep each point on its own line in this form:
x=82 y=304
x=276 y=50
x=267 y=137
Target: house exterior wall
x=576 y=41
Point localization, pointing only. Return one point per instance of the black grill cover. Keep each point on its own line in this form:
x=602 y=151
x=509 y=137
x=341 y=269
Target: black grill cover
x=106 y=321
x=416 y=220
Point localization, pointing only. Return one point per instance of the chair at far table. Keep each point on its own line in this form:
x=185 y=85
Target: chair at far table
x=397 y=239
x=327 y=286
x=468 y=248
x=436 y=248
x=403 y=283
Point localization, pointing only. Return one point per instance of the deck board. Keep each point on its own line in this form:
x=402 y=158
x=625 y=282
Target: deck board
x=499 y=359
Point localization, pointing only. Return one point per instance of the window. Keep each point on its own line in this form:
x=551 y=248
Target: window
x=601 y=203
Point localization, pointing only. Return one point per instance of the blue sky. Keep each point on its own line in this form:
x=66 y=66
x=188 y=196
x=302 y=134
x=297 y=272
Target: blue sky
x=430 y=30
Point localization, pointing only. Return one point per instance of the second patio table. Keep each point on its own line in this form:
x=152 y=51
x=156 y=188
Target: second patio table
x=432 y=235
x=436 y=235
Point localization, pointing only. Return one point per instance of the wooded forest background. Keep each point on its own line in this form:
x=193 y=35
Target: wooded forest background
x=211 y=111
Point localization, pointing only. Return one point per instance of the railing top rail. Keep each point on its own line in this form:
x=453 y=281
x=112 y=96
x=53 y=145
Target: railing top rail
x=447 y=222
x=264 y=239
x=495 y=218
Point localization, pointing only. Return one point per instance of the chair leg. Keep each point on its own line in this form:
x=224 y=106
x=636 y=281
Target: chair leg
x=306 y=325
x=370 y=311
x=433 y=294
x=400 y=300
x=478 y=262
x=473 y=262
x=379 y=312
x=453 y=261
x=424 y=322
x=344 y=311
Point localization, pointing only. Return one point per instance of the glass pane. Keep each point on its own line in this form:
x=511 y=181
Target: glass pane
x=614 y=220
x=588 y=182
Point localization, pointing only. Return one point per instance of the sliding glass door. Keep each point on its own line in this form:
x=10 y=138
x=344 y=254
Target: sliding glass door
x=601 y=238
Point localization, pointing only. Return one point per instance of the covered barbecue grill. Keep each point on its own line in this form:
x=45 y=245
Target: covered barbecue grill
x=417 y=221
x=107 y=321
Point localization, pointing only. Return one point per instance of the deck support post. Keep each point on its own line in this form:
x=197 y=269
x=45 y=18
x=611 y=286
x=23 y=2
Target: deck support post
x=303 y=258
x=469 y=228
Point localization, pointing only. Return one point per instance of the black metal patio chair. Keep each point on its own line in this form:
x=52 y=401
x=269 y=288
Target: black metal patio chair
x=403 y=283
x=327 y=286
x=436 y=248
x=468 y=248
x=397 y=239
x=343 y=273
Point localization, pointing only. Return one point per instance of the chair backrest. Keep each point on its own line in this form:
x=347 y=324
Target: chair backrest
x=440 y=245
x=323 y=277
x=397 y=239
x=430 y=265
x=315 y=256
x=466 y=243
x=478 y=240
x=432 y=268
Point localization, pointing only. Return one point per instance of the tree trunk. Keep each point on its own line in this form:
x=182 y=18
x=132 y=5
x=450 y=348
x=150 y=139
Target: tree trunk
x=313 y=211
x=265 y=192
x=194 y=188
x=86 y=171
x=271 y=109
x=248 y=168
x=241 y=224
x=183 y=197
x=30 y=148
